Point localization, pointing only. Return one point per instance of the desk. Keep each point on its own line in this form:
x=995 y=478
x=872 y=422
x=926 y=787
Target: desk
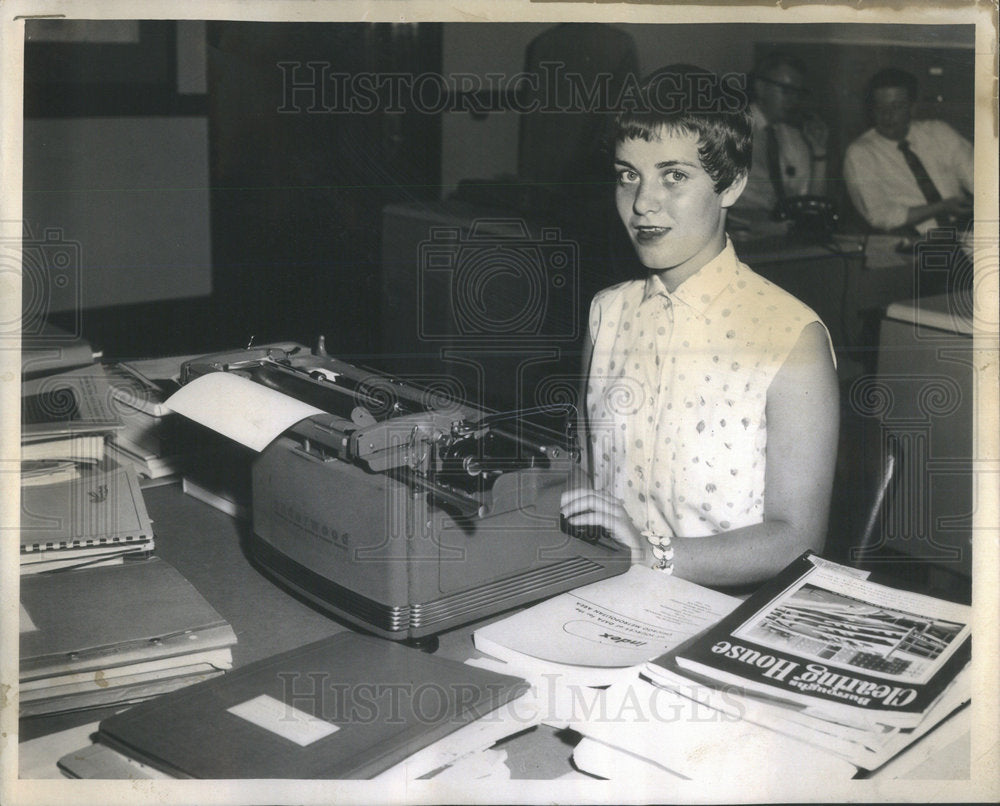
x=206 y=546
x=926 y=366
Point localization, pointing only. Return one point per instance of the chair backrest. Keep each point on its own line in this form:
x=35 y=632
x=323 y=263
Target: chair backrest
x=869 y=540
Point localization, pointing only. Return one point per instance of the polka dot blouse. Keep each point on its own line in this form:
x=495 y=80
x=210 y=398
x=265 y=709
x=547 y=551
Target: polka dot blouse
x=677 y=390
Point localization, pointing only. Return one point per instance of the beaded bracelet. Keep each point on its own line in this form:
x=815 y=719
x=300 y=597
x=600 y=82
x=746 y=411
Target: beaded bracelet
x=662 y=551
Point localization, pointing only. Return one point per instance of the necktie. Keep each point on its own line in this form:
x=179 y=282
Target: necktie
x=774 y=162
x=924 y=181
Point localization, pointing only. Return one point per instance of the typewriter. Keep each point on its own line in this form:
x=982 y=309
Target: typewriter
x=402 y=511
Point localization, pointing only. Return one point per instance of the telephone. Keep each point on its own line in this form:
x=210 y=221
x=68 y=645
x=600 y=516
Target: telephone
x=812 y=217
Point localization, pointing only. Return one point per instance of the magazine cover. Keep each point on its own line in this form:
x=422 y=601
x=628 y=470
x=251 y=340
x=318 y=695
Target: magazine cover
x=820 y=636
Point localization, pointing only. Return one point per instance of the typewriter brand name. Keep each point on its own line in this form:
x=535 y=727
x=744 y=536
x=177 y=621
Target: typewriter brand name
x=316 y=528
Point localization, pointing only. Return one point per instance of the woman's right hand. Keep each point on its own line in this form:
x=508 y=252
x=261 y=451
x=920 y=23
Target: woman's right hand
x=585 y=506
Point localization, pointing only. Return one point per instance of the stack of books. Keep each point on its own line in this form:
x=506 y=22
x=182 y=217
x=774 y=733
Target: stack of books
x=147 y=438
x=115 y=635
x=79 y=507
x=65 y=420
x=348 y=706
x=94 y=519
x=820 y=660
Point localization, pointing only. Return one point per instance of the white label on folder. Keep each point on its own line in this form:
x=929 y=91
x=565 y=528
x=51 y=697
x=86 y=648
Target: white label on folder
x=27 y=625
x=288 y=722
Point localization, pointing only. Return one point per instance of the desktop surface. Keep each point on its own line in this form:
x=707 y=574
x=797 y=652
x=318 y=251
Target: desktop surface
x=208 y=548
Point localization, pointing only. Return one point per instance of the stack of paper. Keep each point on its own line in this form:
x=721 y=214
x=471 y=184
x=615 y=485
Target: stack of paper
x=233 y=418
x=854 y=668
x=65 y=420
x=147 y=437
x=349 y=706
x=62 y=458
x=96 y=517
x=99 y=636
x=600 y=633
x=46 y=348
x=78 y=506
x=638 y=731
x=100 y=761
x=865 y=745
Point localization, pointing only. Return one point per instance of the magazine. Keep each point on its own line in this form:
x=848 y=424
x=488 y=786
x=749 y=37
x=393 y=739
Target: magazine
x=866 y=747
x=848 y=647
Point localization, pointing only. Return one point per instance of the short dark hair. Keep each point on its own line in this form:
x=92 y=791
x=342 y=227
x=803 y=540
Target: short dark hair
x=891 y=77
x=699 y=102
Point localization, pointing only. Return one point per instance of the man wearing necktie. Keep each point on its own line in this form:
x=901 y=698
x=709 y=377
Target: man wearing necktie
x=905 y=174
x=789 y=155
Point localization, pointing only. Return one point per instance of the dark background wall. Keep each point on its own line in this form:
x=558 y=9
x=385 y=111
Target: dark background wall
x=293 y=246
x=297 y=195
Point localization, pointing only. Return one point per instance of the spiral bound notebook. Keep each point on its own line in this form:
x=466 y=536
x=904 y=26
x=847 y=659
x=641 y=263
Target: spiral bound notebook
x=99 y=513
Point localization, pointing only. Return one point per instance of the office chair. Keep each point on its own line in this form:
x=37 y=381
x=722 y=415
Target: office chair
x=871 y=533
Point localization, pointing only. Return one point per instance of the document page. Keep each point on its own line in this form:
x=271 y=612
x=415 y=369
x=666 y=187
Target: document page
x=238 y=408
x=621 y=621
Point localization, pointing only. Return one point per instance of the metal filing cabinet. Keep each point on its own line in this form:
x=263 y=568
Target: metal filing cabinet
x=924 y=396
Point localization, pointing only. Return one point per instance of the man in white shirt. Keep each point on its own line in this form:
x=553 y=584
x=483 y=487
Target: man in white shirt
x=905 y=174
x=789 y=146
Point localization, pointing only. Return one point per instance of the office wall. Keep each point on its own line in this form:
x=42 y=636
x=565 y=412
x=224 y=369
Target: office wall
x=482 y=148
x=116 y=178
x=116 y=156
x=298 y=192
x=296 y=199
x=130 y=194
x=841 y=57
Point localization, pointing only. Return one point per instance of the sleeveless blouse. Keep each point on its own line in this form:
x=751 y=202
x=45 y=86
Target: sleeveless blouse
x=676 y=394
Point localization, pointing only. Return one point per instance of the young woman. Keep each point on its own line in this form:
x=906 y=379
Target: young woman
x=711 y=401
